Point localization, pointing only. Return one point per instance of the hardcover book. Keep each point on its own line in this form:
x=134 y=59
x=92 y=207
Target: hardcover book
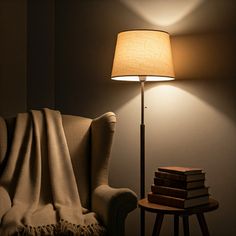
x=177 y=202
x=179 y=193
x=180 y=177
x=178 y=184
x=180 y=170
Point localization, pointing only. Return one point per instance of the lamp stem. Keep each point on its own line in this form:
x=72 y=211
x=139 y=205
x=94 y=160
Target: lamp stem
x=142 y=157
x=142 y=102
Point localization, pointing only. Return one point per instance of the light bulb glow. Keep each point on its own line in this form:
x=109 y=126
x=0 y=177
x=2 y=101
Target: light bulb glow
x=145 y=53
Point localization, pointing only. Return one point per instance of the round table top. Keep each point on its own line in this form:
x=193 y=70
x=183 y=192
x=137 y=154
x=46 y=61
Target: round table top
x=153 y=207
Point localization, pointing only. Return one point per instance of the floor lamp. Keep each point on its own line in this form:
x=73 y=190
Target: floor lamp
x=142 y=56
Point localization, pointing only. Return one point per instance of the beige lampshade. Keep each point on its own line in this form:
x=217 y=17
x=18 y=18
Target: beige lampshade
x=143 y=53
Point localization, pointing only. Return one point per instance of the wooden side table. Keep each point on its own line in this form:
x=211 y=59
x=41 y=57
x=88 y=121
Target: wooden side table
x=161 y=210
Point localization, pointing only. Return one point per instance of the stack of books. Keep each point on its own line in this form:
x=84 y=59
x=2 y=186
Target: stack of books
x=180 y=187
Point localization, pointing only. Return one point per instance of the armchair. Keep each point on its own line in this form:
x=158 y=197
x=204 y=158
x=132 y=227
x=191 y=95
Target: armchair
x=89 y=142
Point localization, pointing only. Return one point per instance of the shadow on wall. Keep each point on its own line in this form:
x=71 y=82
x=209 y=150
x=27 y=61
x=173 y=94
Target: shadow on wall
x=12 y=57
x=84 y=54
x=205 y=67
x=205 y=56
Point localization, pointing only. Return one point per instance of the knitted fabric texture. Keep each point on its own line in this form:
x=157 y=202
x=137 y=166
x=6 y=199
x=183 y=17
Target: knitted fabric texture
x=39 y=194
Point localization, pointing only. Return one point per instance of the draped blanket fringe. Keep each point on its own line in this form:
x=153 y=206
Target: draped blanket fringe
x=62 y=228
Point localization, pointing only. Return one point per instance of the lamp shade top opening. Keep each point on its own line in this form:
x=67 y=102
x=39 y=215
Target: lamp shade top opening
x=143 y=53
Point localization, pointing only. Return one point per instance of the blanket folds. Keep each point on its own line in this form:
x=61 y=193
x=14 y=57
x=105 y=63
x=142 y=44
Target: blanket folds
x=38 y=191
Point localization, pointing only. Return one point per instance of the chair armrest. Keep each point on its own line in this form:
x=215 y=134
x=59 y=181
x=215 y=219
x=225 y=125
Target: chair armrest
x=102 y=131
x=112 y=206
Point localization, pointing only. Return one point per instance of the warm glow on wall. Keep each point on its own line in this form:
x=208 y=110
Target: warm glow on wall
x=162 y=13
x=143 y=53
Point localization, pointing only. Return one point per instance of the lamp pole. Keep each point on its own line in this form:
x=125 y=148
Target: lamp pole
x=142 y=156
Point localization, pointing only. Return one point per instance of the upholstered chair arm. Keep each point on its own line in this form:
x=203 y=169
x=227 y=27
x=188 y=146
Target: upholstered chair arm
x=102 y=130
x=112 y=205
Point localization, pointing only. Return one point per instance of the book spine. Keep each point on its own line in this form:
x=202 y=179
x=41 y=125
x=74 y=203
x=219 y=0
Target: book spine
x=170 y=176
x=180 y=177
x=179 y=193
x=178 y=184
x=180 y=171
x=177 y=202
x=163 y=200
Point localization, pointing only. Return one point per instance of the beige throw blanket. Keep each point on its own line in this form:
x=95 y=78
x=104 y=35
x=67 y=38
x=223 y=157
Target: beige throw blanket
x=38 y=190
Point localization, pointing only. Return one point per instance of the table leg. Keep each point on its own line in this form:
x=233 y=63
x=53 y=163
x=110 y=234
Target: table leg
x=186 y=225
x=157 y=225
x=142 y=221
x=176 y=225
x=203 y=224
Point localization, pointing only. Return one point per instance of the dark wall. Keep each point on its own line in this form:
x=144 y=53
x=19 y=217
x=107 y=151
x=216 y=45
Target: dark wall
x=27 y=55
x=85 y=41
x=13 y=57
x=40 y=54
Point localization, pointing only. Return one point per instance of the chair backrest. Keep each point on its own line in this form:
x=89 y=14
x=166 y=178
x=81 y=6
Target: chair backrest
x=78 y=136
